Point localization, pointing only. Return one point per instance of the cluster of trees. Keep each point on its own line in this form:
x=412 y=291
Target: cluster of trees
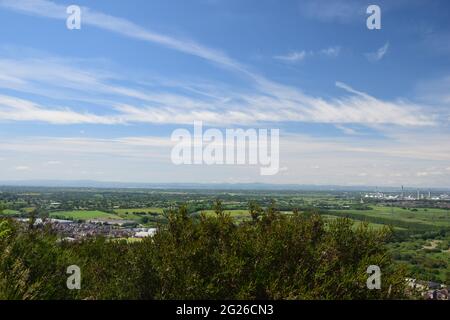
x=274 y=256
x=422 y=260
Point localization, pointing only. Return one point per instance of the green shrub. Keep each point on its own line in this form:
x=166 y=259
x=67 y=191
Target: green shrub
x=273 y=256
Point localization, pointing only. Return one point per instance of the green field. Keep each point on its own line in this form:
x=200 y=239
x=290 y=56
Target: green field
x=153 y=215
x=127 y=214
x=356 y=222
x=8 y=212
x=139 y=210
x=421 y=238
x=426 y=217
x=241 y=215
x=83 y=215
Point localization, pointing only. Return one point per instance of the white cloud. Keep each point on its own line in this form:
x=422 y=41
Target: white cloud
x=331 y=51
x=362 y=174
x=292 y=57
x=262 y=101
x=216 y=104
x=22 y=168
x=53 y=162
x=379 y=54
x=15 y=109
x=429 y=173
x=347 y=130
x=297 y=56
x=121 y=26
x=267 y=100
x=334 y=160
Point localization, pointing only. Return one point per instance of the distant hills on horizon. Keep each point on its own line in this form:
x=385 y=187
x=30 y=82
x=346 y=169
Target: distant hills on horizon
x=210 y=186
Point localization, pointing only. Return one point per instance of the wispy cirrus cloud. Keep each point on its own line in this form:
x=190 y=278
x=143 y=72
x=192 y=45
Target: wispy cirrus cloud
x=135 y=103
x=292 y=57
x=331 y=51
x=67 y=91
x=49 y=9
x=22 y=168
x=15 y=109
x=297 y=56
x=265 y=101
x=347 y=130
x=378 y=54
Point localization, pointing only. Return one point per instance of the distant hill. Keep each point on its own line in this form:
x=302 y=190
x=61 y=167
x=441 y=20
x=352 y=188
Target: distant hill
x=210 y=186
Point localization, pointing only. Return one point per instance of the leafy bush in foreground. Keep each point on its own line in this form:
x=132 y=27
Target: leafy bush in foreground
x=273 y=256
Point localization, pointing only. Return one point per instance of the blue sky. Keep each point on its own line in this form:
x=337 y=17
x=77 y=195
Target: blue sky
x=354 y=106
